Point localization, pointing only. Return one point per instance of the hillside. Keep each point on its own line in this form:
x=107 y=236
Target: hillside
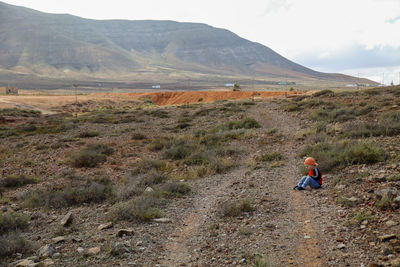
x=65 y=46
x=123 y=182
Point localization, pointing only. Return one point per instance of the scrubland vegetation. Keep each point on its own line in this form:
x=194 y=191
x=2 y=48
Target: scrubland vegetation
x=132 y=162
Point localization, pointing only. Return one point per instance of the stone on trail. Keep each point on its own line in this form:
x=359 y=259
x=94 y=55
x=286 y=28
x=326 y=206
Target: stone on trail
x=354 y=200
x=67 y=219
x=93 y=251
x=80 y=250
x=384 y=238
x=388 y=192
x=23 y=263
x=47 y=262
x=46 y=251
x=148 y=189
x=395 y=263
x=122 y=232
x=119 y=249
x=58 y=239
x=162 y=220
x=391 y=223
x=105 y=226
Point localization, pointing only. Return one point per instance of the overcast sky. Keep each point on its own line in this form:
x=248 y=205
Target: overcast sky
x=356 y=37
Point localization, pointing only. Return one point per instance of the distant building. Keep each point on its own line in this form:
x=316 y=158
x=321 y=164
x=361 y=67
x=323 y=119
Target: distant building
x=9 y=90
x=156 y=86
x=229 y=84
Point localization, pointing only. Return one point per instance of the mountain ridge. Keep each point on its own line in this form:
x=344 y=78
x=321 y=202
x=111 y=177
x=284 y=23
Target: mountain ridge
x=67 y=46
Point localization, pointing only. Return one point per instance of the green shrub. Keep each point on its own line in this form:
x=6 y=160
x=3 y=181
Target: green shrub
x=294 y=106
x=246 y=123
x=13 y=243
x=16 y=181
x=138 y=136
x=271 y=156
x=159 y=144
x=372 y=92
x=143 y=208
x=87 y=134
x=210 y=162
x=145 y=165
x=15 y=112
x=180 y=149
x=153 y=177
x=235 y=208
x=300 y=98
x=159 y=113
x=93 y=192
x=12 y=221
x=91 y=156
x=175 y=189
x=342 y=154
x=368 y=129
x=325 y=92
x=334 y=115
x=259 y=261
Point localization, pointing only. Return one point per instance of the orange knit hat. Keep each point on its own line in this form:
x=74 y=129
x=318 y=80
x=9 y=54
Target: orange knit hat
x=310 y=161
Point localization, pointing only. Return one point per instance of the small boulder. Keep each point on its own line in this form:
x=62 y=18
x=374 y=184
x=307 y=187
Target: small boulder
x=386 y=251
x=122 y=232
x=80 y=250
x=46 y=251
x=24 y=263
x=384 y=238
x=391 y=223
x=353 y=200
x=395 y=263
x=67 y=219
x=148 y=189
x=162 y=220
x=47 y=262
x=119 y=249
x=93 y=251
x=56 y=255
x=58 y=239
x=105 y=226
x=388 y=192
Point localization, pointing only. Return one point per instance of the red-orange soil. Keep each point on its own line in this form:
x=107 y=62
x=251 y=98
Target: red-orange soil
x=174 y=98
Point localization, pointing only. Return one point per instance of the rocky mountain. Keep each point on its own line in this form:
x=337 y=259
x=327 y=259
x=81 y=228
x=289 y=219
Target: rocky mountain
x=68 y=46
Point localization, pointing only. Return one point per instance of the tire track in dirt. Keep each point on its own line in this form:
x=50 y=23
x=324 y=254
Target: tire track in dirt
x=307 y=252
x=211 y=189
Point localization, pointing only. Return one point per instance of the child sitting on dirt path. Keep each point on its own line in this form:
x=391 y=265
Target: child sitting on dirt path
x=314 y=177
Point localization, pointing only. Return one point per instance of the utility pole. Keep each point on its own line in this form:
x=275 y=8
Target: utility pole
x=383 y=79
x=76 y=100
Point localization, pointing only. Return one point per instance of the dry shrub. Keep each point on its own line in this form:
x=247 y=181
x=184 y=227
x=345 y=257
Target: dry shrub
x=16 y=181
x=12 y=243
x=143 y=208
x=11 y=221
x=91 y=156
x=233 y=208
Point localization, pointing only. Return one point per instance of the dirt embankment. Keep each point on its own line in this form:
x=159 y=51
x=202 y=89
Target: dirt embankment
x=176 y=98
x=44 y=103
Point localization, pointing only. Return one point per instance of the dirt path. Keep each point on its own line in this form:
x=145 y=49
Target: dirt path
x=293 y=240
x=307 y=252
x=178 y=249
